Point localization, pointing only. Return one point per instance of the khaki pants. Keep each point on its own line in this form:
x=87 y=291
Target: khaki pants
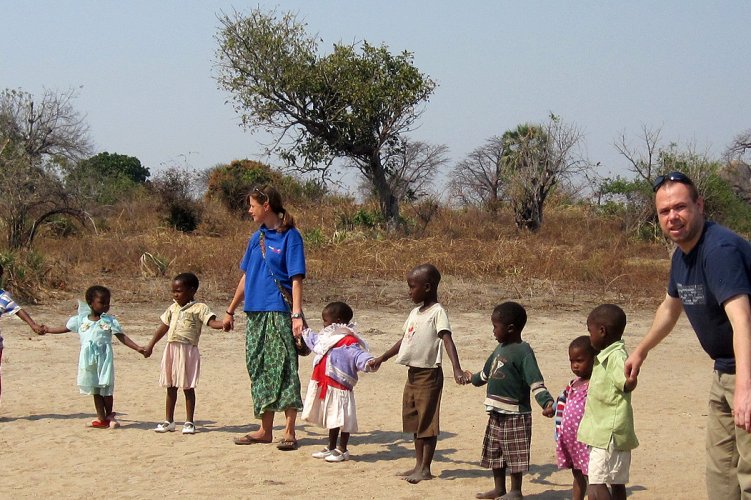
x=728 y=447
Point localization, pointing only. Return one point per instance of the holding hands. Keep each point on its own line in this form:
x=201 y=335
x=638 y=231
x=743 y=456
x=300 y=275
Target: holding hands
x=228 y=323
x=374 y=364
x=460 y=377
x=549 y=411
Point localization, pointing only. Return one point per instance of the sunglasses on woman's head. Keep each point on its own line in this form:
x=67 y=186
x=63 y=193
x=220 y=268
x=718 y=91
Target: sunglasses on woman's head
x=258 y=192
x=673 y=177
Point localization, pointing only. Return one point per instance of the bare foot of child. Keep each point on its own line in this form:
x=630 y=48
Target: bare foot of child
x=512 y=495
x=490 y=494
x=406 y=472
x=418 y=475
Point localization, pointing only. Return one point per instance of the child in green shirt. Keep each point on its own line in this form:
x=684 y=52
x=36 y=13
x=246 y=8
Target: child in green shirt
x=608 y=422
x=511 y=373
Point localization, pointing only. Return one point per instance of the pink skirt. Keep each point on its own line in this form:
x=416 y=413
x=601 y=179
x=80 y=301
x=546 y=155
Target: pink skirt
x=181 y=366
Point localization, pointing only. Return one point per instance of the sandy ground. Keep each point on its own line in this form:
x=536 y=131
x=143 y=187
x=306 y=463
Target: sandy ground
x=45 y=448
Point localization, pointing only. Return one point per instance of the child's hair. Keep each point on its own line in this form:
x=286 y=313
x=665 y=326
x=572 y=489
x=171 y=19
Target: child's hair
x=511 y=313
x=338 y=312
x=188 y=279
x=430 y=272
x=582 y=343
x=96 y=291
x=1 y=270
x=268 y=194
x=611 y=317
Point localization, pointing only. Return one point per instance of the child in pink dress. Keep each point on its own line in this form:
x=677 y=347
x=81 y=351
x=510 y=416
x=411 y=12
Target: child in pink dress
x=570 y=453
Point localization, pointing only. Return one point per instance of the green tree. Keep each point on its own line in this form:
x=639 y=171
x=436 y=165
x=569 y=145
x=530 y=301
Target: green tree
x=111 y=165
x=648 y=158
x=38 y=136
x=352 y=103
x=106 y=177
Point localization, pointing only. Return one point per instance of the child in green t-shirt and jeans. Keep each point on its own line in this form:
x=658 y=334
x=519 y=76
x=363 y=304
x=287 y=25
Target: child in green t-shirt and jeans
x=511 y=373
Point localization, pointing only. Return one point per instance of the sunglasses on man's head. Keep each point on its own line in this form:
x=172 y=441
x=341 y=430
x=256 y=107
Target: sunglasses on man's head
x=673 y=177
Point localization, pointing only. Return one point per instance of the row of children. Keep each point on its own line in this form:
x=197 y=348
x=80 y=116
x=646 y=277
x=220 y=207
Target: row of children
x=594 y=428
x=180 y=366
x=597 y=449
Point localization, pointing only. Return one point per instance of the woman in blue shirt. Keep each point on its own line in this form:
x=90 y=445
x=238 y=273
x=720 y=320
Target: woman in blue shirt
x=271 y=290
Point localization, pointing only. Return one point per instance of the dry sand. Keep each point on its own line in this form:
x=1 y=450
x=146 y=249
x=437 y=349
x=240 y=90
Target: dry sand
x=46 y=450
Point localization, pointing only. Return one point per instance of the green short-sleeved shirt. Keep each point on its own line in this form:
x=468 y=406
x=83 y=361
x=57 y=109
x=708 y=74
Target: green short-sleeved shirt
x=608 y=413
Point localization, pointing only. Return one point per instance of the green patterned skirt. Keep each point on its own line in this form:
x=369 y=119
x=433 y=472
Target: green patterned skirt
x=272 y=362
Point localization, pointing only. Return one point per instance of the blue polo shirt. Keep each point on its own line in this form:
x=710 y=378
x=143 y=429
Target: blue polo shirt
x=285 y=258
x=717 y=269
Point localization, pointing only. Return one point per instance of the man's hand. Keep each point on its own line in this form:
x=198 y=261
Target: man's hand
x=742 y=408
x=633 y=364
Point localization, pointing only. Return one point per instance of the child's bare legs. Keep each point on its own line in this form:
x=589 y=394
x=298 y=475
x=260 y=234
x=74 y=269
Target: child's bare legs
x=190 y=404
x=601 y=492
x=169 y=405
x=424 y=450
x=1 y=372
x=343 y=441
x=109 y=402
x=333 y=437
x=99 y=404
x=516 y=486
x=499 y=480
x=580 y=484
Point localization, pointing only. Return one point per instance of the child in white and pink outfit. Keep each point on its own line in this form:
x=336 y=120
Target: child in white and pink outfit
x=570 y=453
x=340 y=353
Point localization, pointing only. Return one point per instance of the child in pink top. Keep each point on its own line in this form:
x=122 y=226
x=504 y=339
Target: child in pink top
x=570 y=453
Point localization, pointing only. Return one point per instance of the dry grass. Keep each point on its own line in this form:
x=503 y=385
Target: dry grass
x=575 y=257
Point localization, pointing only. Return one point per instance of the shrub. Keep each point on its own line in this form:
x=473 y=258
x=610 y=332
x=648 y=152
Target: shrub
x=175 y=187
x=230 y=184
x=23 y=274
x=184 y=215
x=314 y=237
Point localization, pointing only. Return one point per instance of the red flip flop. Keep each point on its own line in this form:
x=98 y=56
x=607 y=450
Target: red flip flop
x=98 y=424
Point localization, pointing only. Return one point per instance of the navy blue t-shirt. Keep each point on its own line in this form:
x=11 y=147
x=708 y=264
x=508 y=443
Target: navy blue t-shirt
x=285 y=258
x=718 y=268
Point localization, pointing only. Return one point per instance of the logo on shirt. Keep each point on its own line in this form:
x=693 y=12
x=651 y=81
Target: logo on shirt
x=691 y=295
x=496 y=370
x=409 y=333
x=276 y=250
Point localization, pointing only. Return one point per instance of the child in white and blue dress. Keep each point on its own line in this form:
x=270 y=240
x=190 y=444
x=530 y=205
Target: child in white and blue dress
x=96 y=367
x=9 y=307
x=340 y=353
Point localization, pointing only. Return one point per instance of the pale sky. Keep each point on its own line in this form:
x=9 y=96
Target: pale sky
x=144 y=69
